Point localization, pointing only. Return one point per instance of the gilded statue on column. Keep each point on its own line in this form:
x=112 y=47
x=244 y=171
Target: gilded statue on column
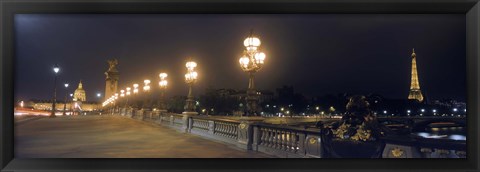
x=356 y=135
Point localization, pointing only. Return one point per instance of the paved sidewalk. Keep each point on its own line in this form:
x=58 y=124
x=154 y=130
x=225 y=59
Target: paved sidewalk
x=114 y=137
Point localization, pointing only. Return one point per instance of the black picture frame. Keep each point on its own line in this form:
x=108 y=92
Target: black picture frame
x=8 y=8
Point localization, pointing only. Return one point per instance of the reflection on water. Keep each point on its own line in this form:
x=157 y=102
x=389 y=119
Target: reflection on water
x=451 y=133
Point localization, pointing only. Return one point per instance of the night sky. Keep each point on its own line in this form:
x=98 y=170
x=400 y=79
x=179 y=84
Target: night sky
x=316 y=54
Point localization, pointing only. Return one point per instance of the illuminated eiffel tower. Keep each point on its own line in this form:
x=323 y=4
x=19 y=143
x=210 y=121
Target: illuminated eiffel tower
x=415 y=93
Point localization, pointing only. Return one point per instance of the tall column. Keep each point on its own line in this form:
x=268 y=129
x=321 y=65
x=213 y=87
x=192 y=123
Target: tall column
x=111 y=81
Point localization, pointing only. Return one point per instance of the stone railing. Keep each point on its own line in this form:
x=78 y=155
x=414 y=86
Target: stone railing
x=216 y=129
x=287 y=141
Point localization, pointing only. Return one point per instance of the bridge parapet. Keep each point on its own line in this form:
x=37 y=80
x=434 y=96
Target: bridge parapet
x=287 y=141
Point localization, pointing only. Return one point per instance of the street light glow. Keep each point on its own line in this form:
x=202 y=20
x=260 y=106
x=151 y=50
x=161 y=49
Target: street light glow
x=147 y=86
x=251 y=42
x=191 y=65
x=135 y=88
x=163 y=75
x=56 y=69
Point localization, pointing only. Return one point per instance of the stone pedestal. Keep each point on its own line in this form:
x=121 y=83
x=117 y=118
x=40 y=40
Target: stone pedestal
x=187 y=122
x=246 y=139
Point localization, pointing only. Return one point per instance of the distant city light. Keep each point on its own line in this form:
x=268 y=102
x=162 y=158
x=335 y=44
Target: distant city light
x=21 y=104
x=99 y=95
x=408 y=111
x=423 y=110
x=434 y=111
x=56 y=68
x=455 y=109
x=384 y=112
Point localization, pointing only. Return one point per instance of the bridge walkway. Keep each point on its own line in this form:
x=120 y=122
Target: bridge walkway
x=114 y=137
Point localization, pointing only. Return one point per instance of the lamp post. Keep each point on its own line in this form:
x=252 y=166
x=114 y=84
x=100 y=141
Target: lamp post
x=127 y=94
x=71 y=104
x=163 y=86
x=190 y=79
x=122 y=94
x=146 y=102
x=65 y=103
x=251 y=62
x=134 y=101
x=56 y=69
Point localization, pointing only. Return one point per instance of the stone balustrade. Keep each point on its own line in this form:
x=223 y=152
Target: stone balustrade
x=282 y=140
x=286 y=141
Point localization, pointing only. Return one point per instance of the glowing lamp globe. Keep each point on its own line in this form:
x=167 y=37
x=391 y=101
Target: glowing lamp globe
x=251 y=42
x=191 y=65
x=163 y=83
x=260 y=57
x=194 y=75
x=163 y=75
x=244 y=61
x=56 y=68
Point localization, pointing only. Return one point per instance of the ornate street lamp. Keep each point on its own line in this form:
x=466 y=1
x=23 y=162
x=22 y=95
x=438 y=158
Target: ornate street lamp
x=251 y=62
x=127 y=94
x=56 y=69
x=163 y=86
x=135 y=101
x=190 y=79
x=122 y=94
x=146 y=89
x=65 y=103
x=135 y=88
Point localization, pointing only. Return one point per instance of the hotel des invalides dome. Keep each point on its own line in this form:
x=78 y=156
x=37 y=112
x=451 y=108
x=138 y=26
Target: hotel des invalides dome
x=76 y=103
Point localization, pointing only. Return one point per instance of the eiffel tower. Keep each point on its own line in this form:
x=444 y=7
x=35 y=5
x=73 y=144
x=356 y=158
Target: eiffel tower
x=415 y=93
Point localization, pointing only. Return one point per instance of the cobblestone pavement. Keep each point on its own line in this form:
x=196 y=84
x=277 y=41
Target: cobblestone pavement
x=114 y=137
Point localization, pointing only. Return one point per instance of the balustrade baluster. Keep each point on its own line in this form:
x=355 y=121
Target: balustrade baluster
x=262 y=136
x=235 y=130
x=279 y=139
x=294 y=142
x=282 y=140
x=275 y=138
x=222 y=129
x=288 y=139
x=270 y=138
